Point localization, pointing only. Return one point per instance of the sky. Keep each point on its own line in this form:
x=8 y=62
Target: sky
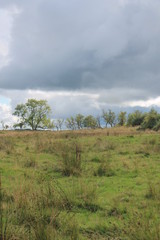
x=82 y=56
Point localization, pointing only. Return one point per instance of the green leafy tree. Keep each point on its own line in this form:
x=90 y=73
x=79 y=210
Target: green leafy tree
x=109 y=117
x=34 y=113
x=19 y=125
x=151 y=120
x=105 y=117
x=157 y=126
x=59 y=123
x=21 y=113
x=122 y=118
x=79 y=121
x=98 y=118
x=70 y=123
x=90 y=122
x=135 y=119
x=50 y=124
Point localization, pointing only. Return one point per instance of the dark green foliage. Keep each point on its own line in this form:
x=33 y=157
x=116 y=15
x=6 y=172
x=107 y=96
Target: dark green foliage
x=122 y=118
x=104 y=169
x=135 y=119
x=31 y=162
x=95 y=159
x=90 y=122
x=157 y=125
x=151 y=120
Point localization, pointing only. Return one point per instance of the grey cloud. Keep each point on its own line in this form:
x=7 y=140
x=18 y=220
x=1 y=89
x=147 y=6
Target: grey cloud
x=63 y=104
x=69 y=103
x=85 y=45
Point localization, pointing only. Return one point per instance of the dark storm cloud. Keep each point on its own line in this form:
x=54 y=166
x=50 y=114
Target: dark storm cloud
x=91 y=44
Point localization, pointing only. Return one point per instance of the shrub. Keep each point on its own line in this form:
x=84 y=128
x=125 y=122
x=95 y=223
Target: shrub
x=104 y=169
x=95 y=159
x=151 y=120
x=135 y=119
x=157 y=126
x=30 y=163
x=71 y=162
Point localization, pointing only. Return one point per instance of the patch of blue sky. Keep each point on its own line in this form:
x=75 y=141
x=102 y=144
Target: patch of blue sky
x=4 y=100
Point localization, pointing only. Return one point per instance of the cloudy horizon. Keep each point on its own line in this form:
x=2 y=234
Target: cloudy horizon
x=81 y=56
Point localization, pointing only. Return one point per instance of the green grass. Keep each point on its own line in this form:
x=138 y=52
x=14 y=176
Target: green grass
x=97 y=184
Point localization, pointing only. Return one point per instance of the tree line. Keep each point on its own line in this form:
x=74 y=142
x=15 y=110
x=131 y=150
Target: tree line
x=35 y=114
x=147 y=120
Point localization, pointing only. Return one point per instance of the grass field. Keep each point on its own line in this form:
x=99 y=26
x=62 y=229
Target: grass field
x=90 y=184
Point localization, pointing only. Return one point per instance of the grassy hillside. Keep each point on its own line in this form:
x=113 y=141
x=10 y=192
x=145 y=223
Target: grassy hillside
x=90 y=184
